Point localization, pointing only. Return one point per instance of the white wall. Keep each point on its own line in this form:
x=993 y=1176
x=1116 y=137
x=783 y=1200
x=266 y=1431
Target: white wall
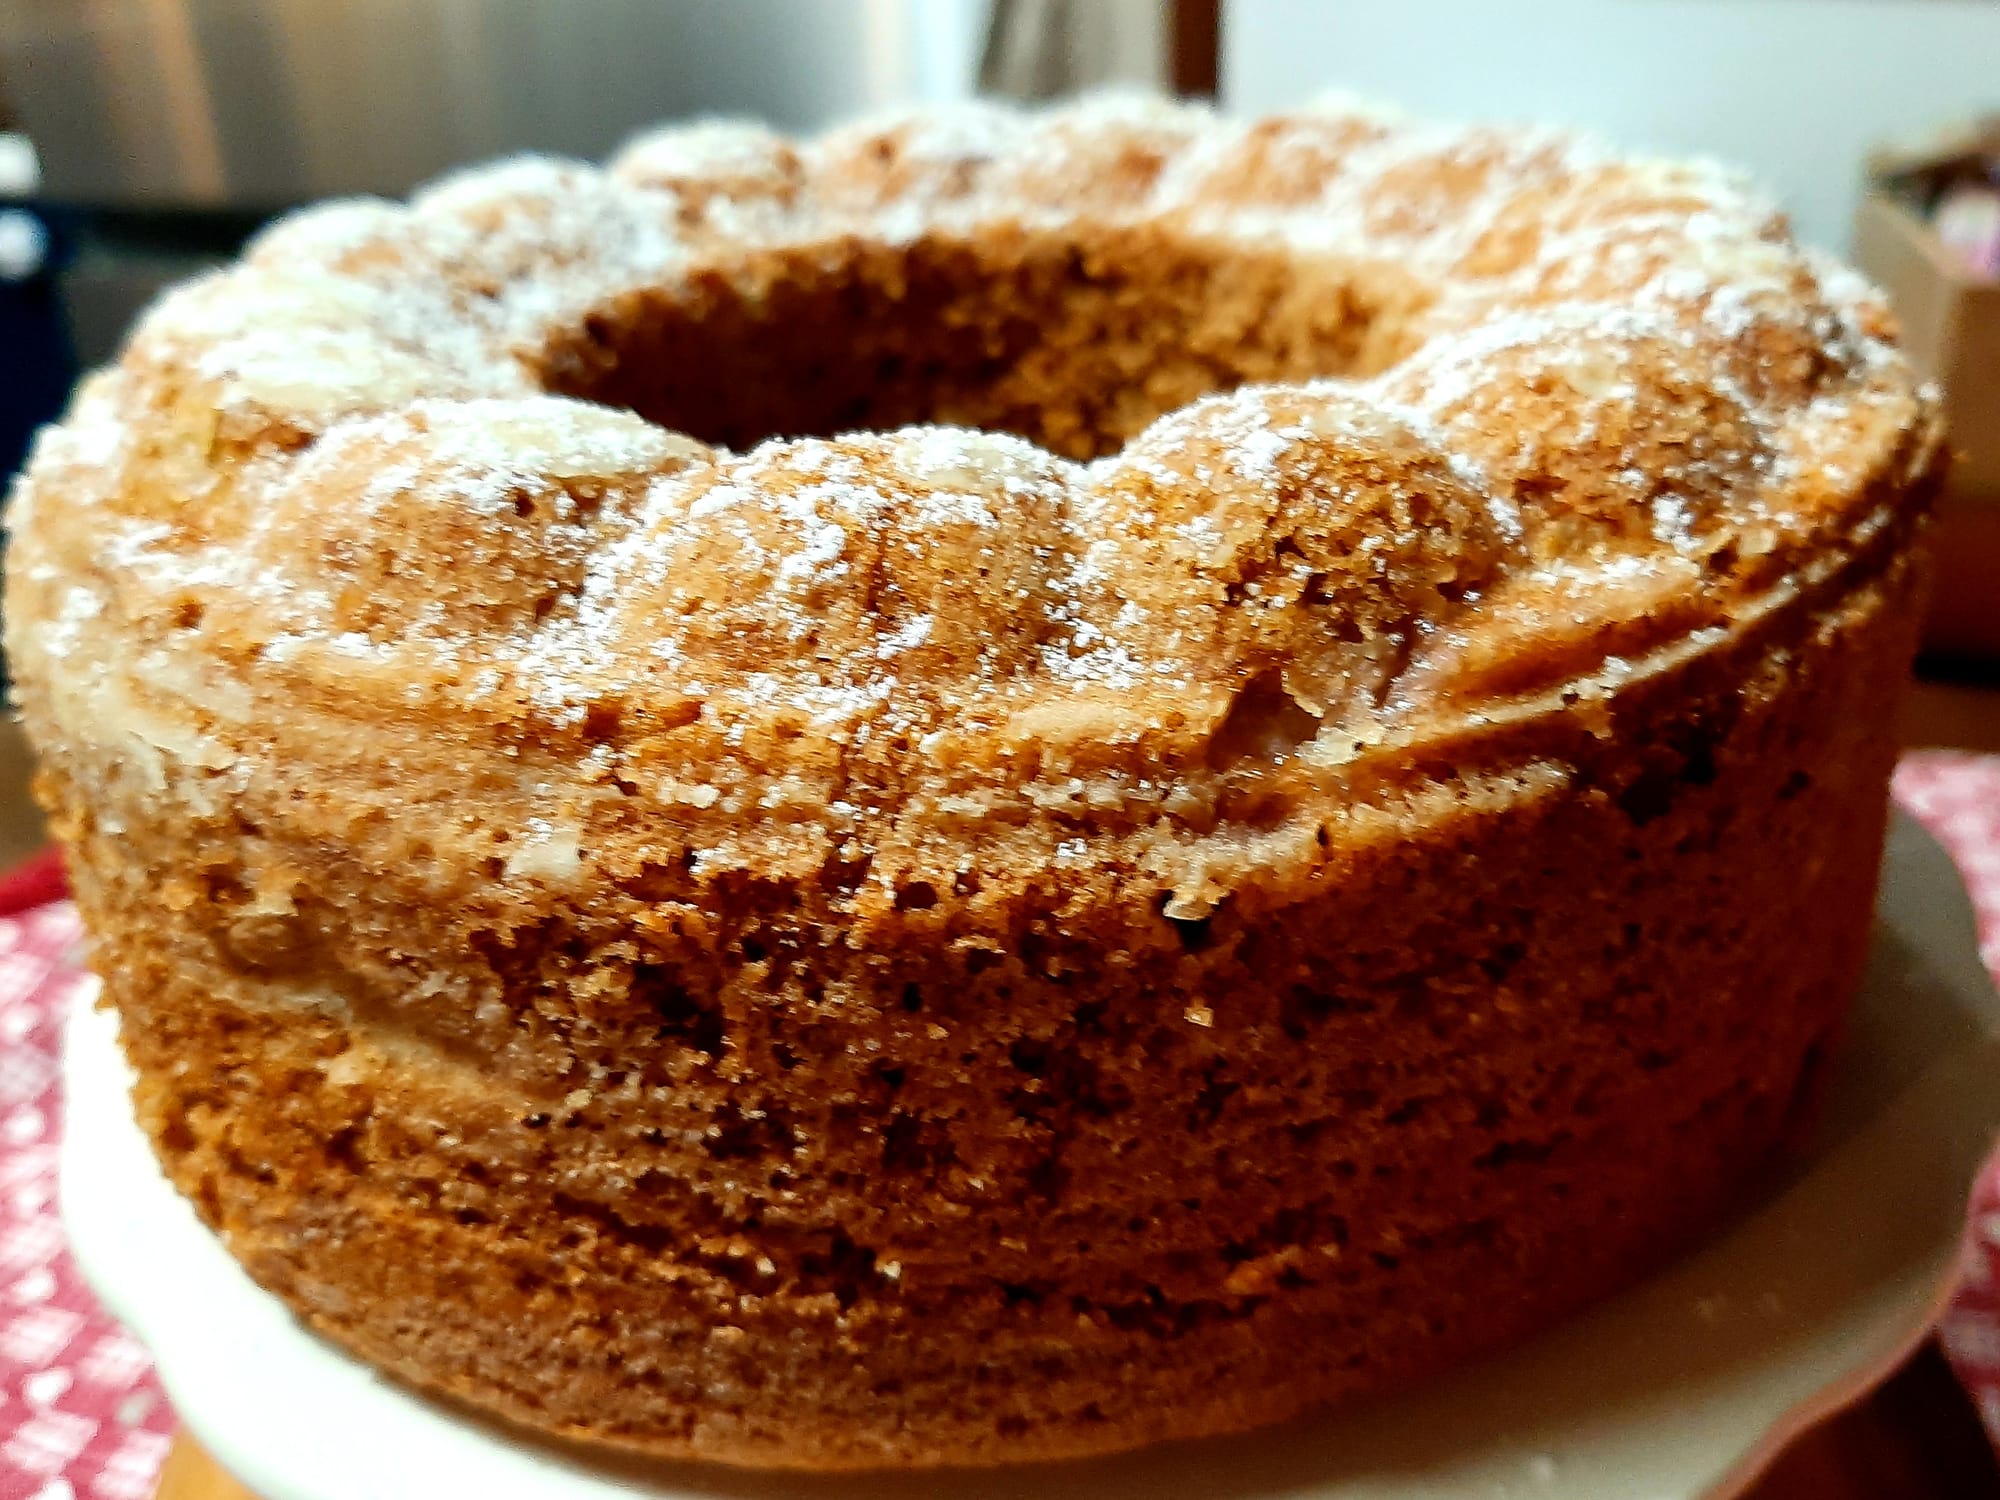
x=1794 y=89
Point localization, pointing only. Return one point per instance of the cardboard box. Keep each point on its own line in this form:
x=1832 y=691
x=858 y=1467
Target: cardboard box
x=1951 y=322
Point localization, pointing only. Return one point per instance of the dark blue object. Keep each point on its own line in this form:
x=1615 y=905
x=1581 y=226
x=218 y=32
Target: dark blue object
x=37 y=364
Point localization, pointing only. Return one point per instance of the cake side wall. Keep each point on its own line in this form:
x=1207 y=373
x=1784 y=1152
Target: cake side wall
x=1163 y=1179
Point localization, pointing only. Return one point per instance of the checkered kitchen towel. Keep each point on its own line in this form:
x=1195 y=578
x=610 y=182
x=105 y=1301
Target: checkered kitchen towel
x=1958 y=799
x=82 y=1417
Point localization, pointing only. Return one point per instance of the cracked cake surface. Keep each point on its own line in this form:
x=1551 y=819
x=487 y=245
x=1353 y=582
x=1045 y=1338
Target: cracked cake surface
x=995 y=786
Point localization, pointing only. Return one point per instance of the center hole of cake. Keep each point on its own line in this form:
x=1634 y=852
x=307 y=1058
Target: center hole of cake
x=1075 y=348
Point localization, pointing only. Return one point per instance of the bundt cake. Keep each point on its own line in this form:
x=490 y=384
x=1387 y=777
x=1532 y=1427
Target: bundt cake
x=988 y=788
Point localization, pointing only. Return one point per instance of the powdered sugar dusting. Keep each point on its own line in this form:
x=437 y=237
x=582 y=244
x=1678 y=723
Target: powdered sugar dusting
x=399 y=350
x=720 y=149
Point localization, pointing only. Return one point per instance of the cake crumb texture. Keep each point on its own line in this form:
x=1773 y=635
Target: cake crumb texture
x=992 y=787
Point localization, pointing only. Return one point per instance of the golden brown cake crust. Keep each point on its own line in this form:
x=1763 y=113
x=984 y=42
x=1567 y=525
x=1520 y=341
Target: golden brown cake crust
x=1338 y=830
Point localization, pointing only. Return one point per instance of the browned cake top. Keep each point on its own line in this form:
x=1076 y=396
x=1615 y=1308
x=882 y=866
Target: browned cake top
x=1317 y=447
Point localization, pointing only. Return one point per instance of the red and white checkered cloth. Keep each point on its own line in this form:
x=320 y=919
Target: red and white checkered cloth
x=82 y=1416
x=1958 y=798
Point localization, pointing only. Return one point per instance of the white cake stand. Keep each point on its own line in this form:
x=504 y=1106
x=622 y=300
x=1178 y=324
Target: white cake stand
x=1682 y=1388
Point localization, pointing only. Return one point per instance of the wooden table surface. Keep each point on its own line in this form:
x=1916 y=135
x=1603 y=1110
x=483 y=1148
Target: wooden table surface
x=1916 y=1438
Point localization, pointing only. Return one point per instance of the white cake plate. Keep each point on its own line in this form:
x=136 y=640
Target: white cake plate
x=1682 y=1388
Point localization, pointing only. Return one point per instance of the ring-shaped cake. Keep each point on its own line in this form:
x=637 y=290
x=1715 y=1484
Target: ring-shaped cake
x=1298 y=796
